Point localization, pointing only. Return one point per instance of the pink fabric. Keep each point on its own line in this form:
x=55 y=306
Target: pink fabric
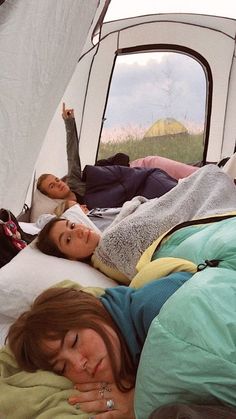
x=174 y=168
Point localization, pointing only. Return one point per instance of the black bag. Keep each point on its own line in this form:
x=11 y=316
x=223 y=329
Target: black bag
x=120 y=159
x=12 y=237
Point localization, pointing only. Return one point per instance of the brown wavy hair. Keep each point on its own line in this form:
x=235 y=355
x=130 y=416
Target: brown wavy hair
x=52 y=315
x=44 y=242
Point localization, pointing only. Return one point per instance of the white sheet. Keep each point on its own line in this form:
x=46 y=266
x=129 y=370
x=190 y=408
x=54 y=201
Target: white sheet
x=30 y=228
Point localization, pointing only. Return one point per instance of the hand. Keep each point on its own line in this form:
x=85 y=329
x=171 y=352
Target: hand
x=67 y=113
x=94 y=397
x=84 y=209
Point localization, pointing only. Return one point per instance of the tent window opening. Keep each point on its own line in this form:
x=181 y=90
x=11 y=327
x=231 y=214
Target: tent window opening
x=156 y=106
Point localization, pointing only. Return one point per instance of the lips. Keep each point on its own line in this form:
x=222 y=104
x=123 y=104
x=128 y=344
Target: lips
x=96 y=368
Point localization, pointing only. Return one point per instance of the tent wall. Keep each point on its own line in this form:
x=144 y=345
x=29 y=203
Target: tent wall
x=40 y=44
x=229 y=139
x=210 y=39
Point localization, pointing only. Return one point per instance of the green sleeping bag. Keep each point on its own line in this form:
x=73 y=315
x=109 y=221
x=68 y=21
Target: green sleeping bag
x=190 y=351
x=198 y=243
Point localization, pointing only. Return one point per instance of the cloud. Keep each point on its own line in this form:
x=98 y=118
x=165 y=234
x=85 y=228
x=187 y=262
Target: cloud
x=174 y=86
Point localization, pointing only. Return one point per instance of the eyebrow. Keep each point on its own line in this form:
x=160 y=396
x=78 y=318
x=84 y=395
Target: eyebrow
x=62 y=234
x=52 y=181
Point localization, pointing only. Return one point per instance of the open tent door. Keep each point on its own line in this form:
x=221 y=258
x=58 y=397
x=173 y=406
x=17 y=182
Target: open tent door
x=40 y=44
x=208 y=41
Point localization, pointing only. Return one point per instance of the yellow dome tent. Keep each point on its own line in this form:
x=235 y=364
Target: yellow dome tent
x=165 y=127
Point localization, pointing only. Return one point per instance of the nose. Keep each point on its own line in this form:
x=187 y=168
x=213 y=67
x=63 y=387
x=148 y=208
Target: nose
x=78 y=362
x=79 y=230
x=56 y=183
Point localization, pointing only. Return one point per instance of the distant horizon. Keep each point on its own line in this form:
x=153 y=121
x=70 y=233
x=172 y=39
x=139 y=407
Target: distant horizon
x=137 y=131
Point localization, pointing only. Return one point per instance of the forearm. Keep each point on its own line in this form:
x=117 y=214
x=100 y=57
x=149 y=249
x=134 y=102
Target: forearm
x=73 y=159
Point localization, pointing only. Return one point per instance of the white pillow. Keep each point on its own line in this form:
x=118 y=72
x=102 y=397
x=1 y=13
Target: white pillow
x=42 y=204
x=31 y=272
x=5 y=323
x=30 y=228
x=76 y=214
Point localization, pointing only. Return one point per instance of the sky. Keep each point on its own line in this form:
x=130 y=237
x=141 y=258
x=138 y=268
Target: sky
x=146 y=90
x=148 y=87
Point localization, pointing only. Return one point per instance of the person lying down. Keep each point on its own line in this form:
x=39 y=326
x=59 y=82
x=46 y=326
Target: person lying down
x=97 y=342
x=94 y=342
x=116 y=252
x=101 y=343
x=108 y=183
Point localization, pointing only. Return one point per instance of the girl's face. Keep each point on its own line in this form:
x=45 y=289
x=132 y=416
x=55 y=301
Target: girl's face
x=76 y=241
x=82 y=356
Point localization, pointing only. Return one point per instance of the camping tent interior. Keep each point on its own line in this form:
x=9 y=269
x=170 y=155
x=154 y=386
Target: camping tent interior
x=49 y=54
x=55 y=51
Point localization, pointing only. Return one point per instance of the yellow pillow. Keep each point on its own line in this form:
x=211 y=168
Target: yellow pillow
x=95 y=291
x=159 y=268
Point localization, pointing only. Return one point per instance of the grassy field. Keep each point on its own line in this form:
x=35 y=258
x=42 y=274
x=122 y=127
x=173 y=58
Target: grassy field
x=184 y=148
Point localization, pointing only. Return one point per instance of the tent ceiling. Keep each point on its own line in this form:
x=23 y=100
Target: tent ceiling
x=120 y=9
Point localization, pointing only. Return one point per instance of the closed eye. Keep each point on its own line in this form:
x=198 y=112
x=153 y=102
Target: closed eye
x=63 y=369
x=75 y=341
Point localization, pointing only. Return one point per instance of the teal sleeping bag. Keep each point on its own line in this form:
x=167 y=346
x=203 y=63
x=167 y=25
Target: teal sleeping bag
x=198 y=243
x=190 y=351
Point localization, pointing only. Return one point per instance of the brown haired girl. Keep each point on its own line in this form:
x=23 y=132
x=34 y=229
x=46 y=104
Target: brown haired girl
x=92 y=341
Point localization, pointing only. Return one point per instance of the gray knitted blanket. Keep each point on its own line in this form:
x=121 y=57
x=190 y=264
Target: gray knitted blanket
x=207 y=191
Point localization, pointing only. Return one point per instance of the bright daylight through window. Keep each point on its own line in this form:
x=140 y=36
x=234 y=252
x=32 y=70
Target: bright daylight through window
x=158 y=101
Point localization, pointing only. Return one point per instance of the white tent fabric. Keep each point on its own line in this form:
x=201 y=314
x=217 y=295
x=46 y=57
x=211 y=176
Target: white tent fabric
x=40 y=44
x=123 y=8
x=210 y=38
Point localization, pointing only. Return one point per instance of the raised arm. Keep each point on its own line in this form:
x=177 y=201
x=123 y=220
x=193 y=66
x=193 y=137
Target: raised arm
x=72 y=146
